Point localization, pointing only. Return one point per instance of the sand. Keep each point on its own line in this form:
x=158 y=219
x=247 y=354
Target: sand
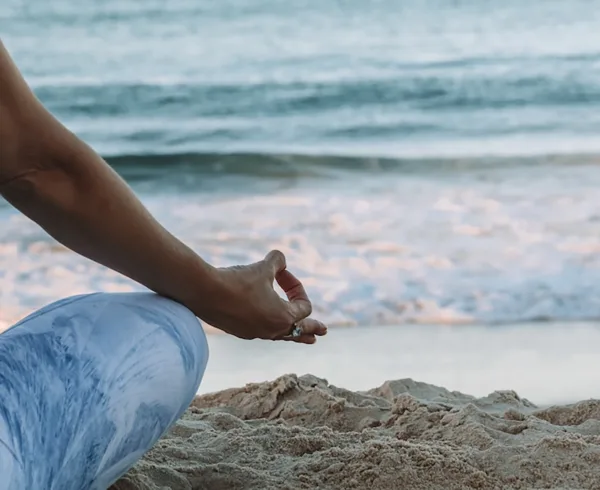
x=301 y=432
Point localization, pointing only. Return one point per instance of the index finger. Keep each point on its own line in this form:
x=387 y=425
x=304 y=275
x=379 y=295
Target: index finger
x=294 y=290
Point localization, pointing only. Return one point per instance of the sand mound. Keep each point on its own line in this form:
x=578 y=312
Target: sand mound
x=295 y=433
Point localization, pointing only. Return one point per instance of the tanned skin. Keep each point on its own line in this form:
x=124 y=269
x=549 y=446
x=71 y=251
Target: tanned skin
x=62 y=184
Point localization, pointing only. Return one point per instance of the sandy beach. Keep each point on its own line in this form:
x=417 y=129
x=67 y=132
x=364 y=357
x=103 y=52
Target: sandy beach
x=302 y=432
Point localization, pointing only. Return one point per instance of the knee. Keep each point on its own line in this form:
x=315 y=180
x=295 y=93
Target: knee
x=185 y=327
x=175 y=322
x=123 y=325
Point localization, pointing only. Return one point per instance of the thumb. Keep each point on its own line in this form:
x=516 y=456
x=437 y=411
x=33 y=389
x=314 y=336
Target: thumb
x=275 y=260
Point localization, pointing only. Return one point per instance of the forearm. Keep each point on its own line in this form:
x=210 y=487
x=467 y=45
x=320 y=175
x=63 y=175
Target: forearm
x=79 y=200
x=63 y=185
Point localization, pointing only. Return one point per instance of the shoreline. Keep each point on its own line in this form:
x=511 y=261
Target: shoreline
x=553 y=363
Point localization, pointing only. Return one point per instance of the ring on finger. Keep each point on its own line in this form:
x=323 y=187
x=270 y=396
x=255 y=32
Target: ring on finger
x=296 y=330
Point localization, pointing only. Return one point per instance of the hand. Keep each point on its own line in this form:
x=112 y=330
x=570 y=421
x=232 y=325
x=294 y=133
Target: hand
x=241 y=301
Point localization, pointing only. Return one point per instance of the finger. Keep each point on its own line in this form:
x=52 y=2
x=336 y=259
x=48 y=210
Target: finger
x=303 y=339
x=310 y=329
x=311 y=326
x=294 y=290
x=275 y=261
x=300 y=305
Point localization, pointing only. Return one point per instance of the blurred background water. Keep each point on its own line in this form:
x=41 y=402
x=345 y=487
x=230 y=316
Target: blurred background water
x=429 y=161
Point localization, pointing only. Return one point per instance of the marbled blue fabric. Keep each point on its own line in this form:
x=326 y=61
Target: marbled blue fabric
x=89 y=384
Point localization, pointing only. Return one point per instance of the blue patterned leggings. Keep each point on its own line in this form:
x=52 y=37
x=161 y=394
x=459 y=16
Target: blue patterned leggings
x=89 y=384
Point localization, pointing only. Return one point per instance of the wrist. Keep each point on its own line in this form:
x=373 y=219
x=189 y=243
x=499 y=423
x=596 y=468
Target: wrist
x=197 y=285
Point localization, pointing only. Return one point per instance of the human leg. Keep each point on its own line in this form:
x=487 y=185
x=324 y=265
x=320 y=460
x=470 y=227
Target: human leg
x=90 y=383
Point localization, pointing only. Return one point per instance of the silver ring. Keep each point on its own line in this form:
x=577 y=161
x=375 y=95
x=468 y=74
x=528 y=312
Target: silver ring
x=296 y=330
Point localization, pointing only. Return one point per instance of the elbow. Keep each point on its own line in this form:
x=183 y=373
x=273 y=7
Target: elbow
x=11 y=143
x=32 y=163
x=33 y=180
x=36 y=151
x=21 y=152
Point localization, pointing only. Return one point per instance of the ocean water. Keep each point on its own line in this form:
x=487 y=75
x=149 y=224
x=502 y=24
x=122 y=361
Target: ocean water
x=430 y=161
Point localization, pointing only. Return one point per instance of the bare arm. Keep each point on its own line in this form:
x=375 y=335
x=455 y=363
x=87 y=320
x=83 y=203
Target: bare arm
x=62 y=184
